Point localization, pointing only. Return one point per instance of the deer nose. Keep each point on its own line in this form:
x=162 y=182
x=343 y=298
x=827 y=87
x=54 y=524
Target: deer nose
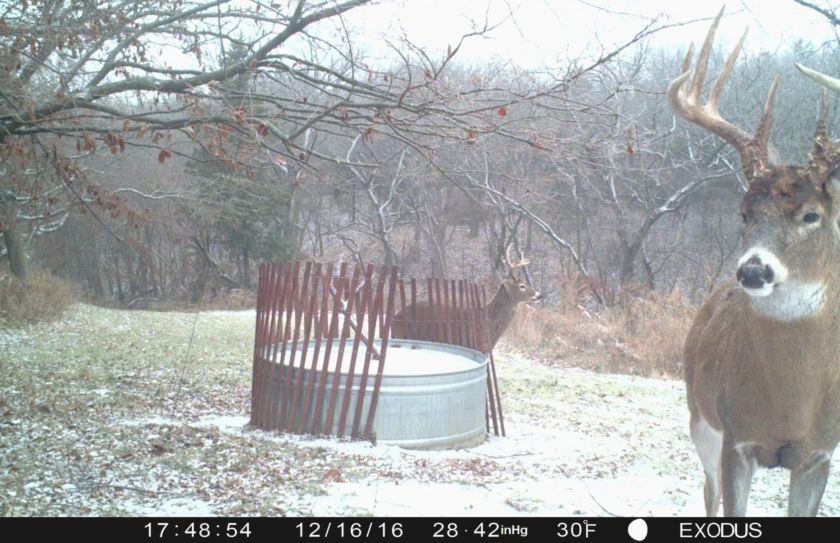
x=754 y=273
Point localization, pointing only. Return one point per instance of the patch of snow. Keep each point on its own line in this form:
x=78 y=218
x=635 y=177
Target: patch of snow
x=623 y=496
x=238 y=314
x=169 y=507
x=225 y=423
x=10 y=338
x=151 y=421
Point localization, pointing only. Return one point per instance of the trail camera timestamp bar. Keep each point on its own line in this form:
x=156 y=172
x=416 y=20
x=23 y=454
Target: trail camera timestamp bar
x=425 y=529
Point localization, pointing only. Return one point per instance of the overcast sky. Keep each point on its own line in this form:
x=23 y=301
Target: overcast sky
x=541 y=31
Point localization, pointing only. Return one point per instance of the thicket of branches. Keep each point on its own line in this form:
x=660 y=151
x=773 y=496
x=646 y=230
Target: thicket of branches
x=141 y=174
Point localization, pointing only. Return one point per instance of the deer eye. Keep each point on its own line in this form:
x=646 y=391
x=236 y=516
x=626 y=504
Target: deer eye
x=522 y=286
x=811 y=217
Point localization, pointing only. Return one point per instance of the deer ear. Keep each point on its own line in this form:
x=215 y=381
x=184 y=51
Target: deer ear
x=831 y=187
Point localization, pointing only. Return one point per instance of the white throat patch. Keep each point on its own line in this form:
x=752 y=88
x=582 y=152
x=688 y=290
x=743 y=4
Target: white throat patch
x=791 y=300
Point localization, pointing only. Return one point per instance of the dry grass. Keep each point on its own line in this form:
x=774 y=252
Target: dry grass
x=231 y=300
x=641 y=336
x=41 y=298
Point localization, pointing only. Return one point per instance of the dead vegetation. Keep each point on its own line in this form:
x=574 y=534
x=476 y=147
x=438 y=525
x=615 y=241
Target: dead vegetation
x=640 y=335
x=224 y=300
x=41 y=297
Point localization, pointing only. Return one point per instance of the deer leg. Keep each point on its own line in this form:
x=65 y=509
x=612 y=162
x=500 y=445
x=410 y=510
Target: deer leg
x=737 y=468
x=708 y=443
x=807 y=484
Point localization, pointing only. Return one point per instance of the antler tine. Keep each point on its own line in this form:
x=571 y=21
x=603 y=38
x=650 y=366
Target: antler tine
x=703 y=60
x=826 y=81
x=824 y=150
x=685 y=99
x=825 y=154
x=723 y=78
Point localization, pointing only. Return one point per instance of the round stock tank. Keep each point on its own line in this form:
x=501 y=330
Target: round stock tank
x=432 y=395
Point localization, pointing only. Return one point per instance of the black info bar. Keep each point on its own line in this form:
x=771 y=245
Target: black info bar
x=431 y=529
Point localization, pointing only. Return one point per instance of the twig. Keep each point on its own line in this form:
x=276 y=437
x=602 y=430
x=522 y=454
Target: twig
x=594 y=499
x=131 y=488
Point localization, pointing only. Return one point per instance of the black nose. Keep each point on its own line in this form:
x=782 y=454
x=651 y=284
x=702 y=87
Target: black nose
x=754 y=275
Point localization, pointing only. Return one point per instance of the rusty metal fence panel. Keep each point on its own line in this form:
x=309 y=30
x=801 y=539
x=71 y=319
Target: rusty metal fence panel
x=306 y=307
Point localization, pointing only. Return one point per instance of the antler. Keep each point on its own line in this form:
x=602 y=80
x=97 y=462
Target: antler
x=511 y=264
x=685 y=97
x=825 y=154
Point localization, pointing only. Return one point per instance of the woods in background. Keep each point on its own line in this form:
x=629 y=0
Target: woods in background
x=141 y=175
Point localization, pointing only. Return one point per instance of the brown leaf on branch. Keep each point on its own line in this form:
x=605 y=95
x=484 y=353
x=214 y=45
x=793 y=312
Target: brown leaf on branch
x=115 y=143
x=224 y=132
x=164 y=155
x=90 y=143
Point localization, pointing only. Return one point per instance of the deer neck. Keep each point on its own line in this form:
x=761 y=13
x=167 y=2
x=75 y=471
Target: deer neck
x=500 y=311
x=796 y=329
x=795 y=301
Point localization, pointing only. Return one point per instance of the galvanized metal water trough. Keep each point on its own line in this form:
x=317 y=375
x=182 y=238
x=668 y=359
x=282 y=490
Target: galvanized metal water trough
x=431 y=395
x=325 y=362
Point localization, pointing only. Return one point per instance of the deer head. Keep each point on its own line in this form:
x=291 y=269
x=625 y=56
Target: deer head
x=514 y=285
x=761 y=370
x=790 y=212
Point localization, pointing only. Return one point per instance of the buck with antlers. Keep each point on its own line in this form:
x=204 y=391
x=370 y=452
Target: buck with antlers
x=762 y=358
x=512 y=291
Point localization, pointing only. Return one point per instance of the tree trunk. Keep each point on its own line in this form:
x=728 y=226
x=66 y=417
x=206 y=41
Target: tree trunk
x=246 y=266
x=16 y=251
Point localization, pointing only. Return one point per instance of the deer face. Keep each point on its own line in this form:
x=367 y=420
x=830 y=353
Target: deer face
x=519 y=291
x=790 y=235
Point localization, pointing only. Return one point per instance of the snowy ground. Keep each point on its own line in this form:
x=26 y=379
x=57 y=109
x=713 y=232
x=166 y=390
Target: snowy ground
x=104 y=414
